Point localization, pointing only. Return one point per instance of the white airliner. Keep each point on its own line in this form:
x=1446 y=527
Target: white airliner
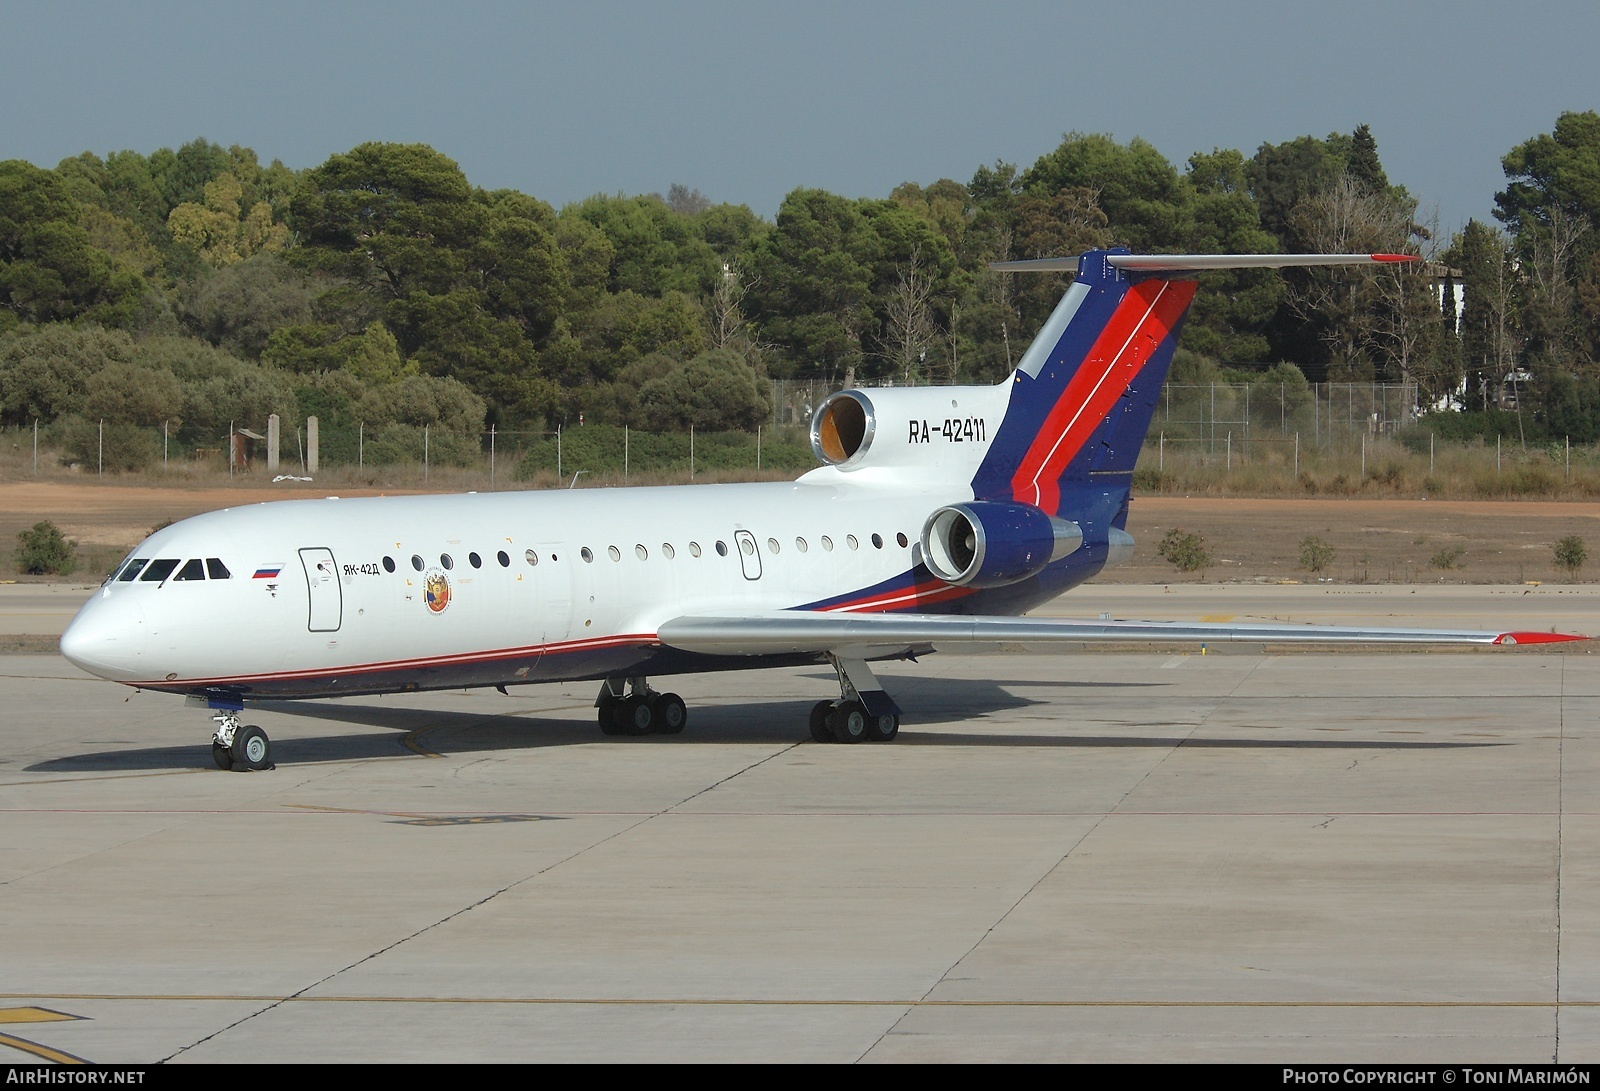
x=941 y=515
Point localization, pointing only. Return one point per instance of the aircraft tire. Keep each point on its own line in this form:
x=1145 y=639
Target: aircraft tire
x=820 y=731
x=670 y=713
x=882 y=728
x=251 y=749
x=636 y=716
x=848 y=722
x=221 y=755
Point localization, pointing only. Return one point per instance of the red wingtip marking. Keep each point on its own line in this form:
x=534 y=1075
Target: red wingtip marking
x=1536 y=638
x=1395 y=257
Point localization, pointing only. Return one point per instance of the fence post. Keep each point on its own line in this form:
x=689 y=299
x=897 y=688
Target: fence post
x=1497 y=453
x=1363 y=456
x=1161 y=454
x=1297 y=454
x=361 y=446
x=424 y=452
x=624 y=454
x=1211 y=448
x=1569 y=458
x=1230 y=450
x=559 y=474
x=691 y=452
x=163 y=446
x=230 y=450
x=491 y=456
x=102 y=470
x=758 y=446
x=1430 y=453
x=35 y=446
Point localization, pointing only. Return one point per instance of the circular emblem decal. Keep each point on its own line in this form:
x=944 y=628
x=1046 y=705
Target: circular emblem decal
x=437 y=588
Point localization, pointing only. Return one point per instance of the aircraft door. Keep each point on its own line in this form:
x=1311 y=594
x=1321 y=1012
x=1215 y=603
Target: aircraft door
x=327 y=597
x=749 y=553
x=553 y=578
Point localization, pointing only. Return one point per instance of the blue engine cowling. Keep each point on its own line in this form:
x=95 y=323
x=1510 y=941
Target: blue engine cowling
x=987 y=543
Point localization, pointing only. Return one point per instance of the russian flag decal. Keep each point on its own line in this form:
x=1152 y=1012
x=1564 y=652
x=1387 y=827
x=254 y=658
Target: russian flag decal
x=268 y=572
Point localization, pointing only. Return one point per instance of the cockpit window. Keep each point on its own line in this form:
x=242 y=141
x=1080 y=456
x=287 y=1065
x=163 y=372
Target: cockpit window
x=158 y=570
x=131 y=573
x=219 y=571
x=192 y=570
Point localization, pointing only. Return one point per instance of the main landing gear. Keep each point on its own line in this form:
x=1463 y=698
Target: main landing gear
x=641 y=711
x=863 y=712
x=242 y=747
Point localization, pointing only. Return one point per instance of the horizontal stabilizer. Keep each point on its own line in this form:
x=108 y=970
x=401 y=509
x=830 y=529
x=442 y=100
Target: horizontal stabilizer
x=803 y=631
x=1199 y=263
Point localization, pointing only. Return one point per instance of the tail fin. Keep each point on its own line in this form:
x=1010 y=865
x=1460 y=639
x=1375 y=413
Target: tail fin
x=1083 y=395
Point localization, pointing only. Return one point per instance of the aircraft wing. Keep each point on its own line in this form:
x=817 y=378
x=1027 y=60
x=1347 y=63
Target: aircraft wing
x=859 y=635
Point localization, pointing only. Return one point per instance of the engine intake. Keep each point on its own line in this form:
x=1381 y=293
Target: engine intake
x=842 y=428
x=987 y=543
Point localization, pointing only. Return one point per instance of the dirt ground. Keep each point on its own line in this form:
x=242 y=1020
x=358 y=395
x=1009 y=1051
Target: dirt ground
x=1375 y=541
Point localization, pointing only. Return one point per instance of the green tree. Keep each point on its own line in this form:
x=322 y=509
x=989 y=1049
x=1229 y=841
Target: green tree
x=45 y=371
x=49 y=271
x=716 y=391
x=43 y=550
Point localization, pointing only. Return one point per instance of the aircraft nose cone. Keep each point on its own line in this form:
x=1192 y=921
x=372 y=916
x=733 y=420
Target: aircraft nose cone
x=101 y=640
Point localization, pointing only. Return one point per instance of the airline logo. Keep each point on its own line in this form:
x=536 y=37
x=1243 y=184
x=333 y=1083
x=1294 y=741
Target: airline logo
x=268 y=571
x=436 y=588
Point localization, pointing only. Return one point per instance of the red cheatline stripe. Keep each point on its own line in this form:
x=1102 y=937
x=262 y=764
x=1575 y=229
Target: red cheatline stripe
x=1395 y=257
x=1141 y=322
x=563 y=647
x=917 y=595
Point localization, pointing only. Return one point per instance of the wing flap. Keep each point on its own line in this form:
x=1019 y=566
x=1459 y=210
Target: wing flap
x=806 y=631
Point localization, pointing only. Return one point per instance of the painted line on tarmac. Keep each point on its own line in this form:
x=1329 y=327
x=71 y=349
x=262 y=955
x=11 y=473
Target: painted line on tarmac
x=35 y=1049
x=800 y=1002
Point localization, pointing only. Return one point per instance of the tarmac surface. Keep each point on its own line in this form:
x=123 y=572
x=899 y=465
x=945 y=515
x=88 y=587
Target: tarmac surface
x=1111 y=856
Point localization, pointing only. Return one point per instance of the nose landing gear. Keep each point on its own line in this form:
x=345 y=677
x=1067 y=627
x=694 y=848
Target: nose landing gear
x=243 y=747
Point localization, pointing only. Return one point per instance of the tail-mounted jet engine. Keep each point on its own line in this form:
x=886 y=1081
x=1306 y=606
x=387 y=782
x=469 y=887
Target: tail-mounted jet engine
x=987 y=543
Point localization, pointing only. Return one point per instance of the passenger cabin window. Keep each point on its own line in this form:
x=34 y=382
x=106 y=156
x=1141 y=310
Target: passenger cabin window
x=530 y=556
x=667 y=551
x=587 y=554
x=850 y=540
x=388 y=564
x=694 y=549
x=641 y=552
x=827 y=544
x=416 y=562
x=446 y=561
x=901 y=538
x=772 y=545
x=192 y=570
x=505 y=561
x=158 y=570
x=877 y=541
x=614 y=553
x=800 y=544
x=477 y=561
x=131 y=573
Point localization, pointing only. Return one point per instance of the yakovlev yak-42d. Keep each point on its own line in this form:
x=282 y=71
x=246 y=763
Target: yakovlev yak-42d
x=940 y=516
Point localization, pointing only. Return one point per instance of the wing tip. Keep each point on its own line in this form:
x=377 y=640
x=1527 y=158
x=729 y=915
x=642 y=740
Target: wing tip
x=1536 y=638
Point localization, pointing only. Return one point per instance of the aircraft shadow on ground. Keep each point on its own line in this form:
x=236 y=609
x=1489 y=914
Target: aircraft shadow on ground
x=929 y=704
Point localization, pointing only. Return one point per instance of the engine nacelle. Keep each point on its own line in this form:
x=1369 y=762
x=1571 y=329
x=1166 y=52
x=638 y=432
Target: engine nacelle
x=986 y=543
x=921 y=428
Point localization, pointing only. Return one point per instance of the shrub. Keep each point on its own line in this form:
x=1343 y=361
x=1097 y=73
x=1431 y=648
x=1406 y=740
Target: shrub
x=1186 y=551
x=1315 y=554
x=1570 y=554
x=1447 y=558
x=43 y=550
x=1153 y=481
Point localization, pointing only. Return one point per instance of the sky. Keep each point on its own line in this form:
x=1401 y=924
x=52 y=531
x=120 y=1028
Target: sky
x=746 y=101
